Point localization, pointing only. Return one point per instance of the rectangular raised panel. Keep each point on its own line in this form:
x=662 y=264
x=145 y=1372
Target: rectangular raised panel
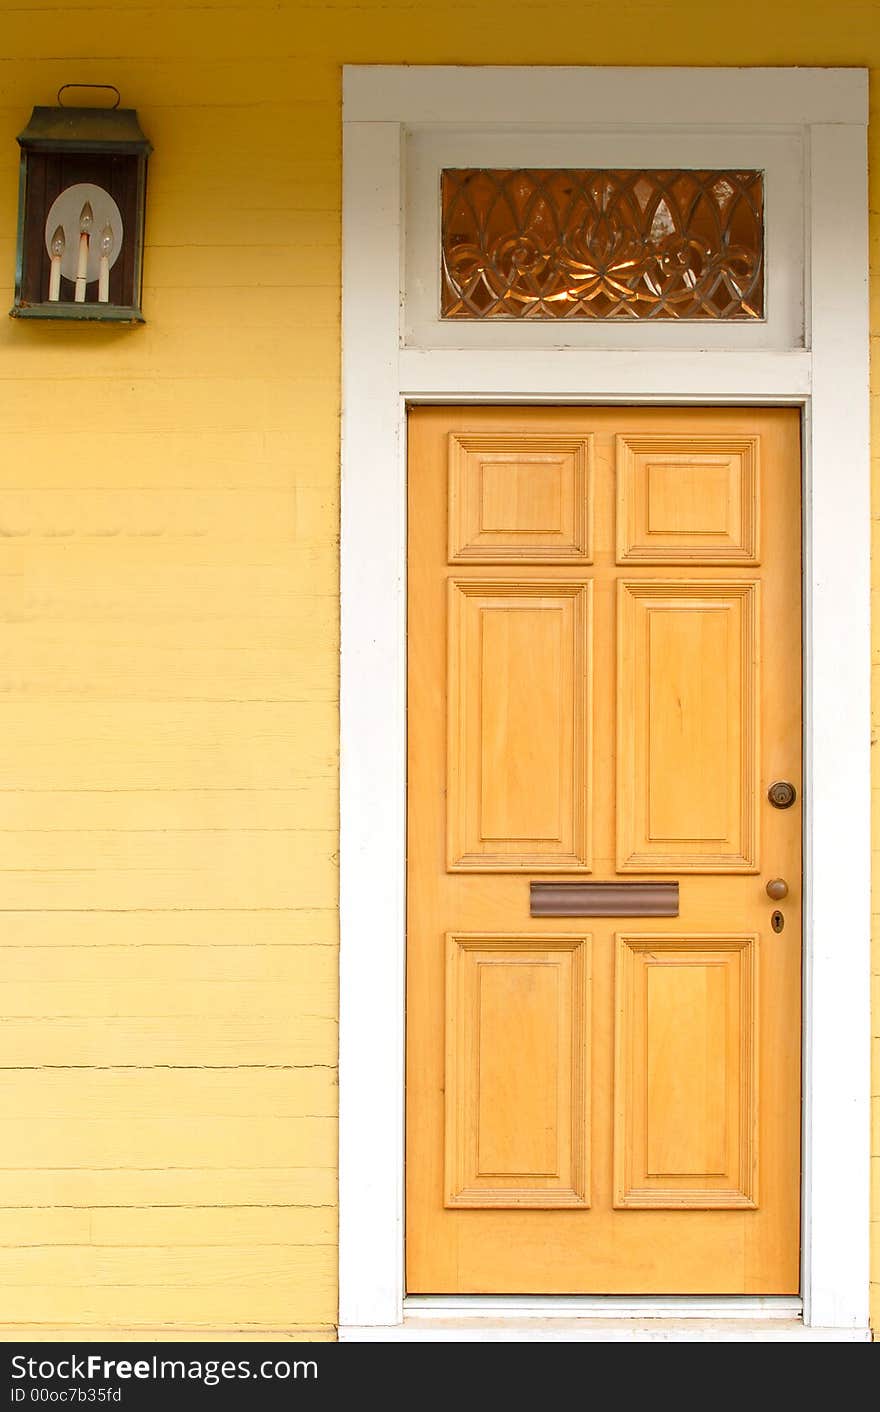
x=687 y=778
x=685 y=1067
x=519 y=498
x=517 y=1071
x=518 y=747
x=687 y=499
x=595 y=899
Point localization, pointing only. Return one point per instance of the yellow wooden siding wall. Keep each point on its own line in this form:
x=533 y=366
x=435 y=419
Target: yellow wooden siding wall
x=168 y=659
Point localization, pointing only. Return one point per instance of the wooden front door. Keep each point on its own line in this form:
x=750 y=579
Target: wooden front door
x=604 y=682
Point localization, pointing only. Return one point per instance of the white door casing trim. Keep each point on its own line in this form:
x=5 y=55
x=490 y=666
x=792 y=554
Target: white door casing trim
x=779 y=153
x=828 y=378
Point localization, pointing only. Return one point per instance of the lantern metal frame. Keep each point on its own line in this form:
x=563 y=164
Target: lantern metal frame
x=71 y=133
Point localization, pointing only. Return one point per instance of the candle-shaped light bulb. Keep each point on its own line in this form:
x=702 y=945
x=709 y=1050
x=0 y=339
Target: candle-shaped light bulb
x=86 y=218
x=56 y=247
x=106 y=248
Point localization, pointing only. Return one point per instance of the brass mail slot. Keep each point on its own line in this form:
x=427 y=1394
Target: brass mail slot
x=604 y=899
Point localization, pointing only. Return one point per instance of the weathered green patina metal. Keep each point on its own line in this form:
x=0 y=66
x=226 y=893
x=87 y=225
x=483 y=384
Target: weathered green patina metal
x=62 y=147
x=85 y=130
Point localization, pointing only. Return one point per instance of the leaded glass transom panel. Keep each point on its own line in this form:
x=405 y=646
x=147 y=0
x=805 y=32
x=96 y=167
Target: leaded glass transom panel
x=589 y=244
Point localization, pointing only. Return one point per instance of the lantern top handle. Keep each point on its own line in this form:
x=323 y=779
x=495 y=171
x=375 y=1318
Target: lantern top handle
x=105 y=87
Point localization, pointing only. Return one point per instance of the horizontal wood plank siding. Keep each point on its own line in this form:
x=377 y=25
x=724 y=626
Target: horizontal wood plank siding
x=169 y=652
x=168 y=708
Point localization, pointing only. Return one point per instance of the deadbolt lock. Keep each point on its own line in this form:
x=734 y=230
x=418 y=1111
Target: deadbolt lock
x=782 y=794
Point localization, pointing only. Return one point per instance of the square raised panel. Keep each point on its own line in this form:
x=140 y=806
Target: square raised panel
x=518 y=751
x=519 y=498
x=517 y=1071
x=685 y=1100
x=687 y=499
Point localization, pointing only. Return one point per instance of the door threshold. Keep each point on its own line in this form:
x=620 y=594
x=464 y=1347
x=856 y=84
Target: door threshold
x=600 y=1319
x=605 y=1306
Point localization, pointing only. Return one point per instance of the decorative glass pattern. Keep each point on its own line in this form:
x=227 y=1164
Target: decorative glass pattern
x=565 y=244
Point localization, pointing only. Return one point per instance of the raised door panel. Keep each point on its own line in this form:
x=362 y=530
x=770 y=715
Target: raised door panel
x=518 y=749
x=685 y=1103
x=687 y=499
x=520 y=498
x=687 y=783
x=517 y=1071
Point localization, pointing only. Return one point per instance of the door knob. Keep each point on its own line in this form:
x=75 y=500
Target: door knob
x=777 y=888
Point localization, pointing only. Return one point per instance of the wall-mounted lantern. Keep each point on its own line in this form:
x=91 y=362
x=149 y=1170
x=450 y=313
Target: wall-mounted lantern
x=81 y=205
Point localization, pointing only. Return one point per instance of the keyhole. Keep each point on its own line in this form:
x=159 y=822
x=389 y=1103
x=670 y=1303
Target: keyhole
x=777 y=921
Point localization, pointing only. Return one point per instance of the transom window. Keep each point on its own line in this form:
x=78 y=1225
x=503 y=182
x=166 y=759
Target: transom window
x=563 y=243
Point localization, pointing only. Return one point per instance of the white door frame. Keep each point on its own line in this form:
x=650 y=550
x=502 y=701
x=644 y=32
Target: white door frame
x=828 y=377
